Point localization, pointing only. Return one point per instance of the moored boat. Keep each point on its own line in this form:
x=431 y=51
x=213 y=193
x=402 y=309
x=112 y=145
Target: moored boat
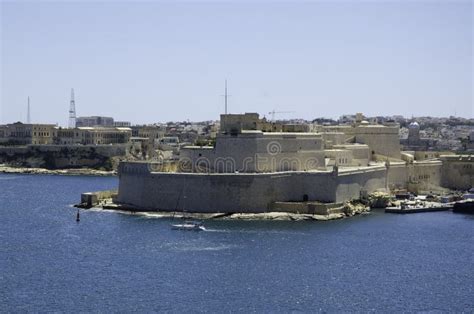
x=466 y=207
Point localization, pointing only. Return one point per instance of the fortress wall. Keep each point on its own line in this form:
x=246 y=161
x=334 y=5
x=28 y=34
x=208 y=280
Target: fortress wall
x=218 y=192
x=457 y=172
x=360 y=153
x=333 y=138
x=383 y=140
x=349 y=184
x=341 y=157
x=427 y=175
x=380 y=141
x=256 y=152
x=416 y=177
x=254 y=192
x=397 y=176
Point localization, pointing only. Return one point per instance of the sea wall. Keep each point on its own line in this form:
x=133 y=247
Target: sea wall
x=142 y=188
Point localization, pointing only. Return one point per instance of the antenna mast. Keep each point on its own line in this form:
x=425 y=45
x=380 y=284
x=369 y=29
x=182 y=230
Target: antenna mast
x=28 y=116
x=225 y=96
x=72 y=111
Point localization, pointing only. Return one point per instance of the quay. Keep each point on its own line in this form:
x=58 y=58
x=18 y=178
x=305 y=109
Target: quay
x=412 y=210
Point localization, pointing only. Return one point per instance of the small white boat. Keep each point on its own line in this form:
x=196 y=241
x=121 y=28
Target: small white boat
x=189 y=225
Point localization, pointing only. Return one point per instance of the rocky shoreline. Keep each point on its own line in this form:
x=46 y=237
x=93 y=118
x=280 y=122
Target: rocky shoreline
x=349 y=210
x=68 y=172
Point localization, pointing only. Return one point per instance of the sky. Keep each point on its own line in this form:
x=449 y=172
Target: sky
x=151 y=61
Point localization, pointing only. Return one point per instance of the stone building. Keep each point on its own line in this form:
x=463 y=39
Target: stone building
x=122 y=124
x=235 y=123
x=100 y=136
x=92 y=136
x=414 y=141
x=256 y=151
x=151 y=132
x=94 y=121
x=381 y=139
x=24 y=134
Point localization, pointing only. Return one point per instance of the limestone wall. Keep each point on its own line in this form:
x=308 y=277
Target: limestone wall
x=360 y=153
x=382 y=140
x=235 y=123
x=333 y=138
x=339 y=157
x=250 y=192
x=397 y=176
x=424 y=176
x=351 y=182
x=256 y=152
x=458 y=172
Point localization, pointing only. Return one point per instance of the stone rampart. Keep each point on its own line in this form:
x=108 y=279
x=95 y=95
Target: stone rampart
x=458 y=171
x=142 y=188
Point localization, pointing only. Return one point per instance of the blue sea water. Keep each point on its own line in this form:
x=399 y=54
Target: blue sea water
x=114 y=262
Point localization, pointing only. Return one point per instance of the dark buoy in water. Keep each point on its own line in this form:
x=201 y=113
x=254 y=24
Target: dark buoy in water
x=78 y=217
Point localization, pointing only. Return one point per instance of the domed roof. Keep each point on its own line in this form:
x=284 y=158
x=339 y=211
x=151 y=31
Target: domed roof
x=414 y=125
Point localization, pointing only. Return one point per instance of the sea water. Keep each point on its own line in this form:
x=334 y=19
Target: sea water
x=112 y=261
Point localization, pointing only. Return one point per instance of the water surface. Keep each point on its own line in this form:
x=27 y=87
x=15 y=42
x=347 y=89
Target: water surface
x=121 y=262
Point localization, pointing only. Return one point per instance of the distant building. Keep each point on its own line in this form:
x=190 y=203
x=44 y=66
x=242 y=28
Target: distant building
x=298 y=128
x=151 y=132
x=168 y=143
x=469 y=144
x=94 y=121
x=122 y=124
x=414 y=141
x=382 y=140
x=92 y=136
x=24 y=134
x=235 y=123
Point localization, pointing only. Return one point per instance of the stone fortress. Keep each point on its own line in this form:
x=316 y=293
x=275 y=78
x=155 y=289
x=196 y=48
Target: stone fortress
x=256 y=164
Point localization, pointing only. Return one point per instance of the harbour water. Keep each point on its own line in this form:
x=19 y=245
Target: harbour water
x=112 y=262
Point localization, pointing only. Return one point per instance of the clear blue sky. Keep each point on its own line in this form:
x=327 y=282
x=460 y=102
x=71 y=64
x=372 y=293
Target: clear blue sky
x=159 y=61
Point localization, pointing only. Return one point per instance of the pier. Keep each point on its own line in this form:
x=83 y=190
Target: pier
x=413 y=210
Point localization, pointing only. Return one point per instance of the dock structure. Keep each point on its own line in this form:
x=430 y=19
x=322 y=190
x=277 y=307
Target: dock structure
x=413 y=210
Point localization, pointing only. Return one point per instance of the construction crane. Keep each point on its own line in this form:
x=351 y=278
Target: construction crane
x=273 y=112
